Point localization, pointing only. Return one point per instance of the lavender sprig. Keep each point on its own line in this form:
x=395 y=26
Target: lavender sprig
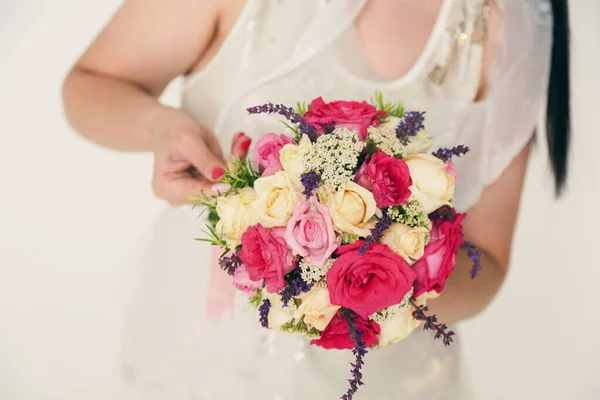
x=310 y=182
x=410 y=125
x=296 y=286
x=376 y=233
x=263 y=311
x=445 y=213
x=360 y=350
x=290 y=114
x=230 y=264
x=328 y=128
x=475 y=255
x=446 y=154
x=431 y=323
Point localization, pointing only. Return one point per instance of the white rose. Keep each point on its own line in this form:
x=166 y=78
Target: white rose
x=278 y=314
x=351 y=208
x=432 y=186
x=397 y=328
x=388 y=128
x=406 y=241
x=277 y=197
x=419 y=144
x=291 y=157
x=316 y=308
x=236 y=214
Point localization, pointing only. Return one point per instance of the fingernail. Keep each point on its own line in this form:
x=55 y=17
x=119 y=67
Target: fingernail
x=219 y=188
x=245 y=145
x=218 y=173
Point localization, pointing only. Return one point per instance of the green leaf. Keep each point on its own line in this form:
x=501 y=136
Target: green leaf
x=240 y=174
x=256 y=300
x=302 y=107
x=390 y=109
x=300 y=327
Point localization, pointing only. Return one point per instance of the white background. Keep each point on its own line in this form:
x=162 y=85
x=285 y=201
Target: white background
x=69 y=211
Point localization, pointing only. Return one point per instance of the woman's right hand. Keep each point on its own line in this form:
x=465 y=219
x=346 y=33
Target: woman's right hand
x=187 y=157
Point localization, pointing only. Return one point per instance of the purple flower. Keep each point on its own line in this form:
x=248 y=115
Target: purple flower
x=263 y=311
x=310 y=181
x=445 y=213
x=446 y=155
x=360 y=350
x=290 y=114
x=230 y=264
x=410 y=125
x=295 y=286
x=376 y=233
x=431 y=323
x=475 y=255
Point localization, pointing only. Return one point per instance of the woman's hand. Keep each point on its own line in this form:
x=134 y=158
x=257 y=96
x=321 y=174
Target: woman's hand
x=187 y=156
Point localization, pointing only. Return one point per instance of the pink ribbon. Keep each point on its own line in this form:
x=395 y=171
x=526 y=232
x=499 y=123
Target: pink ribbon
x=220 y=290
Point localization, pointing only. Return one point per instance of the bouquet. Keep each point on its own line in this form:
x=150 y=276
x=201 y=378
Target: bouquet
x=341 y=230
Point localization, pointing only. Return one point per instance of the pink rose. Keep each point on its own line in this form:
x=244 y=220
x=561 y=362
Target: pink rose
x=242 y=282
x=336 y=335
x=451 y=170
x=354 y=115
x=370 y=282
x=439 y=259
x=266 y=256
x=310 y=232
x=266 y=152
x=387 y=177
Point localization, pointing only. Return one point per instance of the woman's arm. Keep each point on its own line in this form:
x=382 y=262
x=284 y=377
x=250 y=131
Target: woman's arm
x=489 y=224
x=111 y=94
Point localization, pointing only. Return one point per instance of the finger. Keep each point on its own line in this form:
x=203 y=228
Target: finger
x=177 y=188
x=219 y=189
x=214 y=146
x=196 y=151
x=240 y=146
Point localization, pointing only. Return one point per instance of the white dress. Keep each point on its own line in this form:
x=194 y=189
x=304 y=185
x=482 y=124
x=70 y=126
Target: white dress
x=285 y=51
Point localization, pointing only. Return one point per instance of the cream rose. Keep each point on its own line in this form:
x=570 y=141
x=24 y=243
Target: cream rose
x=277 y=197
x=419 y=144
x=291 y=157
x=432 y=186
x=351 y=208
x=278 y=314
x=406 y=241
x=397 y=328
x=316 y=308
x=236 y=214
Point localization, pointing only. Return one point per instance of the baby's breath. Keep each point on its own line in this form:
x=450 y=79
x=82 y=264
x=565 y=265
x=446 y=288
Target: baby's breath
x=384 y=138
x=392 y=311
x=312 y=274
x=334 y=157
x=410 y=214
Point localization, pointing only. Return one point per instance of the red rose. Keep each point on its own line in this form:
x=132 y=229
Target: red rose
x=439 y=259
x=354 y=115
x=266 y=256
x=387 y=177
x=336 y=335
x=370 y=282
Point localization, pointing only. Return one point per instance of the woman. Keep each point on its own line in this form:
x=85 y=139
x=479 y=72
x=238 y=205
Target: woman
x=480 y=69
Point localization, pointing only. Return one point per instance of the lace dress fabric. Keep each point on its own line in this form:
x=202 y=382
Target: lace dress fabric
x=287 y=51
